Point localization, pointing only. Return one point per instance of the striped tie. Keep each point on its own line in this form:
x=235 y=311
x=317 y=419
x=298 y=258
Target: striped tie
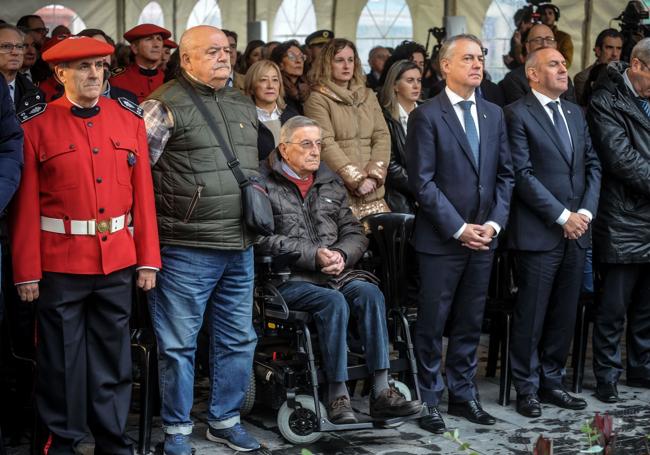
x=645 y=106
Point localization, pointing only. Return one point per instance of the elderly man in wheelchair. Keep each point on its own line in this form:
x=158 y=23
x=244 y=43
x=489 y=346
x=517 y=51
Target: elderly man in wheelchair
x=312 y=218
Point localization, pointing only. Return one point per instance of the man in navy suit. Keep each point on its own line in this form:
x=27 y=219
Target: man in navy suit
x=557 y=184
x=461 y=174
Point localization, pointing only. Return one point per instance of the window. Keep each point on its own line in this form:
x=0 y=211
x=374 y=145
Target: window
x=294 y=20
x=54 y=15
x=205 y=12
x=498 y=28
x=382 y=22
x=152 y=13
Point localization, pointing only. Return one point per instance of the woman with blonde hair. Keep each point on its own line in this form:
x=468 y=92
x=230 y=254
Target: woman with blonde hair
x=263 y=83
x=356 y=142
x=399 y=96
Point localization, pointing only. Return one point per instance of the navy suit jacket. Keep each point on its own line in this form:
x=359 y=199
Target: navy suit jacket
x=11 y=146
x=449 y=186
x=546 y=181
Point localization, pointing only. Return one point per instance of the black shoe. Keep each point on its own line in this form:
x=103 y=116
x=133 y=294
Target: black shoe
x=562 y=399
x=433 y=422
x=641 y=383
x=607 y=392
x=528 y=405
x=340 y=411
x=472 y=411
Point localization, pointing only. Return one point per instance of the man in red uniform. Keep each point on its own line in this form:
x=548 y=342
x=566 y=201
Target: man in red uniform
x=142 y=76
x=86 y=174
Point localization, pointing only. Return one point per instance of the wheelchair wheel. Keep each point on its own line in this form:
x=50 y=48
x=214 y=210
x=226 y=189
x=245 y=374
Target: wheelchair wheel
x=249 y=399
x=299 y=426
x=403 y=389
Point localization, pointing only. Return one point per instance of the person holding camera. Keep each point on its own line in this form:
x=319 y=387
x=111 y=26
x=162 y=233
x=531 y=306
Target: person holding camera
x=549 y=15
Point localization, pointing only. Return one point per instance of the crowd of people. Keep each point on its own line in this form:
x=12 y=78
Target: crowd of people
x=115 y=174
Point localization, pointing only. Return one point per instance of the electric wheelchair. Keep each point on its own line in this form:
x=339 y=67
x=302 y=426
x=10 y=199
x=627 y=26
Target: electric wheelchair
x=286 y=366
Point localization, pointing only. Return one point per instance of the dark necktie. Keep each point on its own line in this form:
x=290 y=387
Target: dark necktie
x=560 y=127
x=470 y=128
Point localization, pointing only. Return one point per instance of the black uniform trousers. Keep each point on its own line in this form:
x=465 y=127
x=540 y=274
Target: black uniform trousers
x=453 y=290
x=84 y=359
x=543 y=323
x=626 y=290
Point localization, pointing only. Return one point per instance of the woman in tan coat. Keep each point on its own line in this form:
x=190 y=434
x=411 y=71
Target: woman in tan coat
x=356 y=141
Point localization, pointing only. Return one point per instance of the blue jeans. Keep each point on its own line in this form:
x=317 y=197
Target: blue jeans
x=330 y=310
x=190 y=280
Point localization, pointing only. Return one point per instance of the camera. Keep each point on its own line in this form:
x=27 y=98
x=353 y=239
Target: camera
x=631 y=27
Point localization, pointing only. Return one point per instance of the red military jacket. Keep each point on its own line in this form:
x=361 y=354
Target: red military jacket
x=83 y=169
x=137 y=80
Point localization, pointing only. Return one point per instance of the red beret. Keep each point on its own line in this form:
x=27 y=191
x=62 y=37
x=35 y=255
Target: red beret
x=142 y=30
x=76 y=48
x=169 y=43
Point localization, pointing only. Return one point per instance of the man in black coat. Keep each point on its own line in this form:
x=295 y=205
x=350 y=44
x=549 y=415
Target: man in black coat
x=515 y=84
x=619 y=120
x=557 y=181
x=11 y=160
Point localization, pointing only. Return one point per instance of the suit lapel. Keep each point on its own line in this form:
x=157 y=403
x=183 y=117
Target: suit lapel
x=451 y=119
x=538 y=112
x=484 y=123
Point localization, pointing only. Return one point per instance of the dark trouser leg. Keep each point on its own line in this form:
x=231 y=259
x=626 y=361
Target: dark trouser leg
x=638 y=328
x=61 y=387
x=465 y=323
x=109 y=361
x=330 y=312
x=439 y=278
x=560 y=320
x=619 y=281
x=544 y=317
x=367 y=304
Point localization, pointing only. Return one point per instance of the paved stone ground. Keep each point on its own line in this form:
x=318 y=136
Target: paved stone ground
x=512 y=433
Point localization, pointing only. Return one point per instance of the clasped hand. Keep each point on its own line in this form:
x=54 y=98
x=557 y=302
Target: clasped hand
x=477 y=237
x=331 y=262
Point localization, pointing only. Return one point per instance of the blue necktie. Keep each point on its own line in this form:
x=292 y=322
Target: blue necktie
x=645 y=106
x=470 y=128
x=560 y=127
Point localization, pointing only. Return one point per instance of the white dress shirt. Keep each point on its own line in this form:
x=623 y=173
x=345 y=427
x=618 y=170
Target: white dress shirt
x=454 y=98
x=264 y=116
x=544 y=100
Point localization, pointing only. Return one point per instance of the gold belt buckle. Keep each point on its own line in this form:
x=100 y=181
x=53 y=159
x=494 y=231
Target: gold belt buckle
x=103 y=226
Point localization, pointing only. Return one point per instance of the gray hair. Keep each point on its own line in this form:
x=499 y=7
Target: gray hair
x=374 y=50
x=532 y=60
x=641 y=50
x=14 y=28
x=290 y=126
x=450 y=43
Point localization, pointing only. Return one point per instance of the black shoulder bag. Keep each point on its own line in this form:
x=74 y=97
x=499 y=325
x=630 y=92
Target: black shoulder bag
x=258 y=213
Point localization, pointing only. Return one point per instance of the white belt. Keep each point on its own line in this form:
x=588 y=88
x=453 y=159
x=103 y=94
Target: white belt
x=77 y=227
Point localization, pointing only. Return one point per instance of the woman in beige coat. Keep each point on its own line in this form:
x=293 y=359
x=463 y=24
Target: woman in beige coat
x=356 y=141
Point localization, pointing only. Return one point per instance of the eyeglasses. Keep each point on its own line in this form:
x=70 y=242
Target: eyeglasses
x=643 y=63
x=307 y=144
x=7 y=48
x=42 y=30
x=295 y=57
x=542 y=39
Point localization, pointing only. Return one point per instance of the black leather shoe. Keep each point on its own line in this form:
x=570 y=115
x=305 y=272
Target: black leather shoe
x=433 y=422
x=340 y=411
x=528 y=405
x=472 y=411
x=607 y=392
x=642 y=383
x=562 y=399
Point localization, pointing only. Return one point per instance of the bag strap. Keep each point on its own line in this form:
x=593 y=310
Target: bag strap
x=233 y=162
